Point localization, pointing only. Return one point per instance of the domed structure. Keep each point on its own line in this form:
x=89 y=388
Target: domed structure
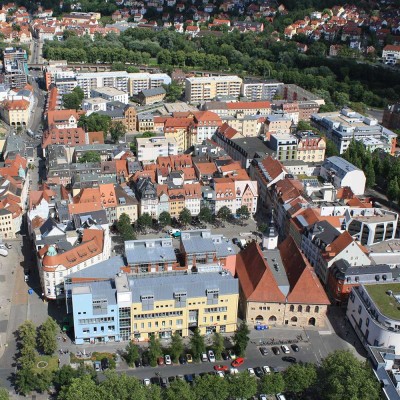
x=51 y=251
x=21 y=172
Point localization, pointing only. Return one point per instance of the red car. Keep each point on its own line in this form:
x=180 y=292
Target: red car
x=160 y=360
x=221 y=368
x=236 y=363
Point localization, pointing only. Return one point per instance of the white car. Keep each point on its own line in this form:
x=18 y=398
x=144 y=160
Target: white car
x=266 y=369
x=146 y=382
x=211 y=356
x=167 y=359
x=221 y=374
x=204 y=357
x=251 y=371
x=262 y=397
x=233 y=371
x=285 y=349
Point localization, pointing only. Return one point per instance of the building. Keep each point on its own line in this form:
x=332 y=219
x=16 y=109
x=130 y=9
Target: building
x=278 y=286
x=373 y=312
x=346 y=125
x=145 y=123
x=110 y=94
x=148 y=149
x=238 y=108
x=15 y=63
x=151 y=96
x=391 y=116
x=68 y=136
x=278 y=124
x=293 y=92
x=284 y=146
x=88 y=81
x=16 y=112
x=342 y=173
x=310 y=147
x=144 y=81
x=370 y=225
x=200 y=89
x=260 y=90
x=391 y=54
x=94 y=104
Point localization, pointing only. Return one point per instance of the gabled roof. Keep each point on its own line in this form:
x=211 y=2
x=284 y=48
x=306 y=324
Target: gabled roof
x=338 y=245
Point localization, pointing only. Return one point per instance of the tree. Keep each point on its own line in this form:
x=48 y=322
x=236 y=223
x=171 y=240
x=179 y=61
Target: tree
x=153 y=392
x=299 y=377
x=174 y=91
x=331 y=149
x=131 y=354
x=241 y=338
x=25 y=381
x=242 y=386
x=47 y=336
x=224 y=213
x=218 y=345
x=144 y=221
x=181 y=390
x=154 y=350
x=121 y=387
x=82 y=388
x=95 y=123
x=211 y=387
x=64 y=376
x=205 y=215
x=125 y=228
x=393 y=190
x=73 y=100
x=164 y=219
x=4 y=394
x=90 y=156
x=176 y=346
x=342 y=376
x=185 y=216
x=243 y=212
x=117 y=130
x=272 y=384
x=197 y=345
x=369 y=171
x=27 y=334
x=43 y=381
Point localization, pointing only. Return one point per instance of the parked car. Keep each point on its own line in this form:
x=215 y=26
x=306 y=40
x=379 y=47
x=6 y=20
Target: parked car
x=160 y=360
x=280 y=396
x=138 y=363
x=232 y=354
x=285 y=349
x=211 y=356
x=182 y=359
x=263 y=351
x=225 y=355
x=105 y=363
x=167 y=359
x=146 y=382
x=97 y=366
x=8 y=245
x=164 y=382
x=251 y=371
x=171 y=379
x=221 y=368
x=180 y=378
x=156 y=381
x=266 y=369
x=233 y=371
x=221 y=374
x=3 y=252
x=235 y=241
x=258 y=371
x=145 y=360
x=189 y=378
x=262 y=397
x=289 y=359
x=204 y=357
x=237 y=362
x=295 y=348
x=276 y=350
x=189 y=358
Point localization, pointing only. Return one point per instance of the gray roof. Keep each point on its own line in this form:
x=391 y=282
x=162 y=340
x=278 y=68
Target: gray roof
x=340 y=165
x=106 y=269
x=202 y=241
x=252 y=145
x=153 y=92
x=325 y=232
x=100 y=290
x=149 y=251
x=163 y=287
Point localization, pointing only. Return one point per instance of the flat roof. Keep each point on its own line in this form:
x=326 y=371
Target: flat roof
x=387 y=304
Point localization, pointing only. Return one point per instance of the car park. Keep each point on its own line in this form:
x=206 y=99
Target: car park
x=237 y=362
x=221 y=367
x=167 y=359
x=182 y=360
x=189 y=358
x=146 y=382
x=285 y=349
x=258 y=371
x=295 y=348
x=266 y=369
x=276 y=350
x=155 y=381
x=263 y=351
x=251 y=371
x=211 y=356
x=289 y=359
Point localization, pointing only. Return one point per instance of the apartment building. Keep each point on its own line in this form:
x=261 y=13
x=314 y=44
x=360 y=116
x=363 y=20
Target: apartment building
x=284 y=146
x=145 y=123
x=16 y=112
x=110 y=94
x=278 y=124
x=391 y=54
x=67 y=136
x=15 y=64
x=260 y=90
x=88 y=81
x=238 y=108
x=148 y=149
x=310 y=147
x=145 y=81
x=200 y=89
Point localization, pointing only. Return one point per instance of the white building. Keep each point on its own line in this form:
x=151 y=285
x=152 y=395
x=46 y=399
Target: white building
x=144 y=81
x=93 y=80
x=94 y=104
x=342 y=173
x=391 y=54
x=373 y=312
x=148 y=149
x=260 y=90
x=110 y=94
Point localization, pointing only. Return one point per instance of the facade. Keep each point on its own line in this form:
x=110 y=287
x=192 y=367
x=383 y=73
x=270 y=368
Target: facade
x=93 y=80
x=373 y=312
x=278 y=124
x=7 y=226
x=391 y=116
x=148 y=149
x=16 y=112
x=341 y=173
x=260 y=90
x=110 y=94
x=151 y=96
x=15 y=63
x=310 y=147
x=145 y=123
x=200 y=89
x=284 y=145
x=391 y=54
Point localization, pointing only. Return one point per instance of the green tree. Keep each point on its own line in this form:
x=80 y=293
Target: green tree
x=27 y=334
x=218 y=345
x=90 y=156
x=95 y=123
x=73 y=100
x=369 y=171
x=4 y=394
x=131 y=354
x=211 y=387
x=117 y=130
x=304 y=126
x=154 y=350
x=242 y=386
x=331 y=149
x=393 y=190
x=272 y=384
x=224 y=213
x=205 y=215
x=299 y=377
x=43 y=381
x=342 y=376
x=185 y=217
x=47 y=339
x=243 y=212
x=164 y=219
x=197 y=345
x=64 y=376
x=121 y=387
x=153 y=392
x=144 y=221
x=241 y=338
x=181 y=390
x=125 y=227
x=176 y=348
x=82 y=388
x=174 y=91
x=25 y=381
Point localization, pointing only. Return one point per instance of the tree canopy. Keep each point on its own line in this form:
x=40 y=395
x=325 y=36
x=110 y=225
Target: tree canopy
x=90 y=156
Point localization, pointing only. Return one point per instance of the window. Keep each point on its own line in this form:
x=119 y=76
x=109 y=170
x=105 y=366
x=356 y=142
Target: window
x=292 y=307
x=367 y=322
x=316 y=309
x=359 y=309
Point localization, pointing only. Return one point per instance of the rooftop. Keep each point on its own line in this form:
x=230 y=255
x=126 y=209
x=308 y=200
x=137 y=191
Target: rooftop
x=387 y=304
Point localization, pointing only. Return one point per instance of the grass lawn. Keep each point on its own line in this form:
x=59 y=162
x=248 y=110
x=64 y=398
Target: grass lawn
x=52 y=363
x=387 y=305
